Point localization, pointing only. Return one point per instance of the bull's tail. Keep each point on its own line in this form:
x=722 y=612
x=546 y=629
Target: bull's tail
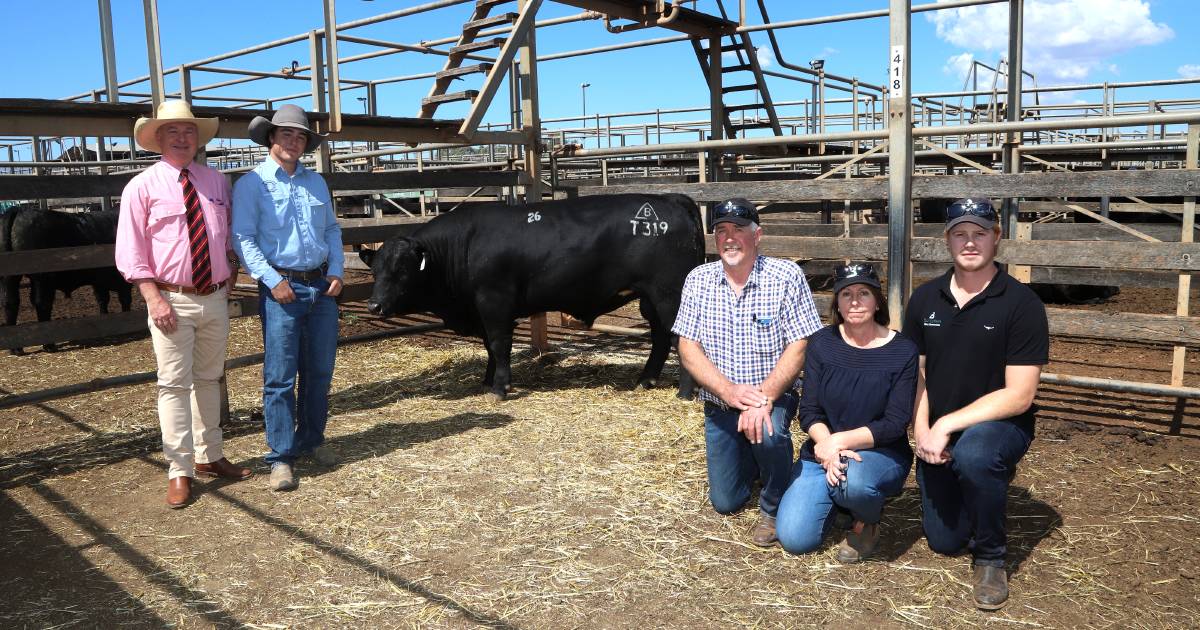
x=697 y=224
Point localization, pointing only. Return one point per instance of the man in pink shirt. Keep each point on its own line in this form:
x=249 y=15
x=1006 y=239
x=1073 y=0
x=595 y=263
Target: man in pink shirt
x=173 y=245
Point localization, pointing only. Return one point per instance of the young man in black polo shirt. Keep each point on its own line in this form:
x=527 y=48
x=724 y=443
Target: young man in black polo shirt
x=983 y=340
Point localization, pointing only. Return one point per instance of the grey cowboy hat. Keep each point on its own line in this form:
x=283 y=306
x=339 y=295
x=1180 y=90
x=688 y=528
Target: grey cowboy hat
x=287 y=116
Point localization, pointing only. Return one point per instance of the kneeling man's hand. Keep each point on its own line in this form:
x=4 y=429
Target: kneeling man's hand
x=931 y=446
x=751 y=422
x=745 y=397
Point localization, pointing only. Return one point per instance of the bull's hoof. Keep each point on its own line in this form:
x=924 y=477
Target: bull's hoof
x=495 y=397
x=17 y=352
x=50 y=347
x=648 y=383
x=685 y=395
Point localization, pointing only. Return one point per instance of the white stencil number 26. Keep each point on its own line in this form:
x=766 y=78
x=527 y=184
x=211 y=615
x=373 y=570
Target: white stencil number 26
x=534 y=216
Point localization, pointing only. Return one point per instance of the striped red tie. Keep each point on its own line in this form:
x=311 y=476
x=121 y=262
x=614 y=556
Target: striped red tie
x=197 y=235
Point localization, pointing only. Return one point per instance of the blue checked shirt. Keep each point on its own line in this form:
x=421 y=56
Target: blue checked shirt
x=744 y=336
x=285 y=221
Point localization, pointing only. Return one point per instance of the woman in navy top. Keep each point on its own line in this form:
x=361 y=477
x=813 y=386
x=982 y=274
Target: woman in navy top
x=860 y=382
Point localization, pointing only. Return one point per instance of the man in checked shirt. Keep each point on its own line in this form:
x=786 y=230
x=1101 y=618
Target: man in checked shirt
x=173 y=245
x=742 y=326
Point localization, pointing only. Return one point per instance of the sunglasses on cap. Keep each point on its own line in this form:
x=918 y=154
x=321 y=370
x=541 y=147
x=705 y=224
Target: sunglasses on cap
x=854 y=273
x=859 y=271
x=735 y=209
x=981 y=208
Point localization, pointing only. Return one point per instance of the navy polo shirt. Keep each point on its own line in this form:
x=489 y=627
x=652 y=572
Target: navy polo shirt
x=967 y=349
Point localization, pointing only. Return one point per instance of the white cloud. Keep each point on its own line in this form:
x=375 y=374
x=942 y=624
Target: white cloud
x=1190 y=70
x=1065 y=40
x=765 y=57
x=959 y=65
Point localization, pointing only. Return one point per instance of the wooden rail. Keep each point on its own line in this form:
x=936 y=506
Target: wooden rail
x=1162 y=183
x=17 y=187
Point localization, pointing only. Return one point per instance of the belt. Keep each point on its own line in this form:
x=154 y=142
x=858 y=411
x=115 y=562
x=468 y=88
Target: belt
x=177 y=288
x=303 y=276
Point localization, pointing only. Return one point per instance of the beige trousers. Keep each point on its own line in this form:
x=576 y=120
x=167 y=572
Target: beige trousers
x=191 y=361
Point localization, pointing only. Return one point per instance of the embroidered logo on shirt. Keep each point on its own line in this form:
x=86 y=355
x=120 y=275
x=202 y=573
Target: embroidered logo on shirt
x=932 y=320
x=986 y=327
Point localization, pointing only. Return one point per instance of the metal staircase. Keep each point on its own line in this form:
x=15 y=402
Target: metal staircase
x=744 y=76
x=461 y=51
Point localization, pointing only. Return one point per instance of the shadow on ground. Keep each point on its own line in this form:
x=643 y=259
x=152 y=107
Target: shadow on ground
x=462 y=377
x=1030 y=520
x=48 y=582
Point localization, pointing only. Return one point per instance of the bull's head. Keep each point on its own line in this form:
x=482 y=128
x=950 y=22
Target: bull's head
x=399 y=268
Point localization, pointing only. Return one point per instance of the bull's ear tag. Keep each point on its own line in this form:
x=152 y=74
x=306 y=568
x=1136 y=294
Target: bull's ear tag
x=422 y=267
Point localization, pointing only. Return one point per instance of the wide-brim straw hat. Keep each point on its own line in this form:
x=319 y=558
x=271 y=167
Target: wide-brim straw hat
x=171 y=112
x=287 y=116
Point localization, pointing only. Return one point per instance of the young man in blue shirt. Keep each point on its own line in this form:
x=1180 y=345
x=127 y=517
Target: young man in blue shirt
x=286 y=233
x=742 y=325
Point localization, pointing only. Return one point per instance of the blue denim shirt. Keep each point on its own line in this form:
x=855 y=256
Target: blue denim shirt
x=285 y=221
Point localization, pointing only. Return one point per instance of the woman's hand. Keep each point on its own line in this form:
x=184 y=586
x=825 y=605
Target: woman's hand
x=827 y=450
x=835 y=471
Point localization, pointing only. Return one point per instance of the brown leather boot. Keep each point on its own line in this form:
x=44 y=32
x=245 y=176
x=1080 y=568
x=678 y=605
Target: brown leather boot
x=990 y=587
x=222 y=468
x=763 y=533
x=179 y=490
x=860 y=543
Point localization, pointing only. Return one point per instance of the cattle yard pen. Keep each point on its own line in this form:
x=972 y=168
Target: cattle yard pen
x=855 y=154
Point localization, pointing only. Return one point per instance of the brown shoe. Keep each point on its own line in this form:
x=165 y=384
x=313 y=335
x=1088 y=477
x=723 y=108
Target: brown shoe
x=990 y=587
x=179 y=490
x=222 y=468
x=860 y=543
x=763 y=533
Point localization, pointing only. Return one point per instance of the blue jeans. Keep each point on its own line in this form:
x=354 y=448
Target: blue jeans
x=299 y=338
x=806 y=511
x=964 y=502
x=734 y=463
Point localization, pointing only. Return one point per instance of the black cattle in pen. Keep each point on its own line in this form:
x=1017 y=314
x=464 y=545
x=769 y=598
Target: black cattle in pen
x=481 y=268
x=27 y=228
x=1055 y=293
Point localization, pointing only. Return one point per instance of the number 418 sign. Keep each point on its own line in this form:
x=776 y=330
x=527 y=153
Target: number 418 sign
x=896 y=74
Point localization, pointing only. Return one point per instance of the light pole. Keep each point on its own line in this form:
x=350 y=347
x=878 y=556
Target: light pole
x=363 y=100
x=583 y=96
x=818 y=66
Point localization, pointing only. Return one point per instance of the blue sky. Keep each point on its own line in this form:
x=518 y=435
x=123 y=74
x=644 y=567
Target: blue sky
x=1066 y=41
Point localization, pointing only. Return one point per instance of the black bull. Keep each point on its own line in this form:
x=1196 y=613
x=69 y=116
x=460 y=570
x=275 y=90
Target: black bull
x=481 y=268
x=27 y=228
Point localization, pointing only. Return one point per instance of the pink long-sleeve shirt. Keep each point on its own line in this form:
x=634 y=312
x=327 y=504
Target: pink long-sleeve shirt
x=152 y=238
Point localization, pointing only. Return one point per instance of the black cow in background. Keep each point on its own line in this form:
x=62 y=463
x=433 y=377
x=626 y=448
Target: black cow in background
x=27 y=228
x=481 y=268
x=1055 y=293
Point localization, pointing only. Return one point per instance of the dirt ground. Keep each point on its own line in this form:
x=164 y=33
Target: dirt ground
x=577 y=503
